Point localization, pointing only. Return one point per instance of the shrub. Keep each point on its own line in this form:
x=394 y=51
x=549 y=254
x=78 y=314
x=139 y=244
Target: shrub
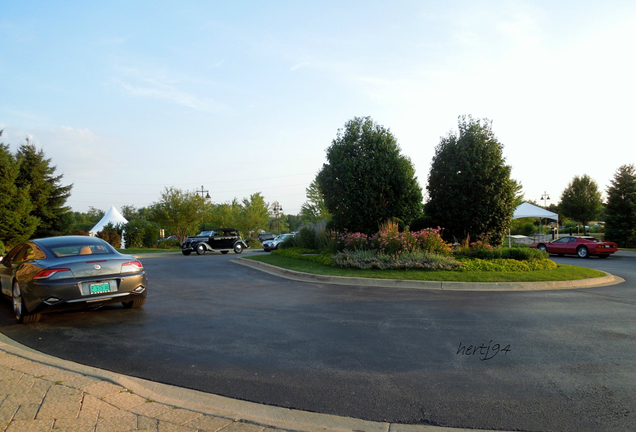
x=418 y=260
x=168 y=244
x=519 y=254
x=150 y=234
x=327 y=241
x=111 y=237
x=354 y=241
x=307 y=238
x=504 y=265
x=1 y=248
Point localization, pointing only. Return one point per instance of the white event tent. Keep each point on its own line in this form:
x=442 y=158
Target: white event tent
x=527 y=210
x=112 y=216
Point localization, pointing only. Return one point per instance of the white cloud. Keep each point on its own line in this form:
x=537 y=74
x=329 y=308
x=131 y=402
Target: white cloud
x=299 y=65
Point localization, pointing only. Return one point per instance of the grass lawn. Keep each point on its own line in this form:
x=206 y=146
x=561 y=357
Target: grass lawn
x=563 y=272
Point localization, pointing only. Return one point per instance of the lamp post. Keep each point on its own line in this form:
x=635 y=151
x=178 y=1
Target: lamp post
x=545 y=197
x=277 y=208
x=202 y=191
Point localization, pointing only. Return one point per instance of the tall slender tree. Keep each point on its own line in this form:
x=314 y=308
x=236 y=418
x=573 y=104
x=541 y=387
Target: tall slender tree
x=620 y=211
x=47 y=195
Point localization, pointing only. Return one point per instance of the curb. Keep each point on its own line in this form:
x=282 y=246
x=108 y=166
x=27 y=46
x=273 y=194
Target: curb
x=220 y=406
x=606 y=280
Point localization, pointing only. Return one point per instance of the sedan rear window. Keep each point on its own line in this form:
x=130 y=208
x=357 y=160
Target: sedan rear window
x=79 y=249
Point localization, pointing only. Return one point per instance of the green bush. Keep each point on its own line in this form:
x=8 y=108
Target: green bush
x=416 y=260
x=254 y=243
x=505 y=265
x=519 y=254
x=111 y=237
x=168 y=244
x=307 y=238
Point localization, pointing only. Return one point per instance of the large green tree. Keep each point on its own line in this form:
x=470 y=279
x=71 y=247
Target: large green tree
x=366 y=180
x=48 y=197
x=620 y=210
x=181 y=212
x=581 y=200
x=16 y=221
x=254 y=215
x=470 y=191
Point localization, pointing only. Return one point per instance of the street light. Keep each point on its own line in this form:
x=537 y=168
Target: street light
x=277 y=209
x=202 y=191
x=545 y=197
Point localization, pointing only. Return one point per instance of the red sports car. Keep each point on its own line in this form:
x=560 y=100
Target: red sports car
x=581 y=246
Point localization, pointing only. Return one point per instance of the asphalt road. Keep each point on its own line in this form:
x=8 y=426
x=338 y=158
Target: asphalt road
x=393 y=355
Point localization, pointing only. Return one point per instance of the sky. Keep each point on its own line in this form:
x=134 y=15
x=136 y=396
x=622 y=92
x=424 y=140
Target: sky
x=128 y=98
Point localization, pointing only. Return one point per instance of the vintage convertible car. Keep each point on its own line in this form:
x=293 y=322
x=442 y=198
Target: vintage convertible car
x=216 y=239
x=49 y=274
x=581 y=246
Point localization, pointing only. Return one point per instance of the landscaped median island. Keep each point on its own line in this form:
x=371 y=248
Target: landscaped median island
x=423 y=255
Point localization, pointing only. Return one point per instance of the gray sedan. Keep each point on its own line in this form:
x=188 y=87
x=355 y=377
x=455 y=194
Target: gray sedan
x=67 y=272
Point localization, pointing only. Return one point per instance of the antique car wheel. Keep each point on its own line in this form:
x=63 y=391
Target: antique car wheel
x=134 y=304
x=582 y=252
x=542 y=248
x=238 y=248
x=224 y=252
x=186 y=253
x=200 y=249
x=18 y=307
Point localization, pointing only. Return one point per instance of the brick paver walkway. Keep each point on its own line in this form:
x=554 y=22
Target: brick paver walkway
x=35 y=397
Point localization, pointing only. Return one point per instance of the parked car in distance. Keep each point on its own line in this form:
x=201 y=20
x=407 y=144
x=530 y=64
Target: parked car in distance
x=172 y=237
x=266 y=236
x=271 y=245
x=217 y=239
x=582 y=246
x=55 y=273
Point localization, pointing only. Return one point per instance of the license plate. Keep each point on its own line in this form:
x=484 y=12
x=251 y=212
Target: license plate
x=99 y=288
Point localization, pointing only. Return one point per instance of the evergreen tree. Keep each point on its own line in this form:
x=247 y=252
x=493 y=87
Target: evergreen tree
x=620 y=211
x=16 y=222
x=47 y=195
x=469 y=186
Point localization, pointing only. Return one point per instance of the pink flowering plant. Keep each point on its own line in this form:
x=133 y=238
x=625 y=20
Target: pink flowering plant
x=389 y=241
x=354 y=241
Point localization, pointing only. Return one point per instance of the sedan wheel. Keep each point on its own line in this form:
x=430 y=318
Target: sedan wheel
x=200 y=249
x=18 y=307
x=542 y=248
x=238 y=248
x=582 y=252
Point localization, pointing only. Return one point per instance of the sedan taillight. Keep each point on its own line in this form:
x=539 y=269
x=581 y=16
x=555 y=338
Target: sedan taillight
x=131 y=266
x=45 y=274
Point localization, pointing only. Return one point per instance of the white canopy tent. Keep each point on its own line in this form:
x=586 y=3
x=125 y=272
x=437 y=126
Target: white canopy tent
x=112 y=216
x=527 y=210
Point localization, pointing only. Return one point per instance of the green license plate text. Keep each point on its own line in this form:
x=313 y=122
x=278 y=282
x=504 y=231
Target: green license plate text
x=99 y=288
